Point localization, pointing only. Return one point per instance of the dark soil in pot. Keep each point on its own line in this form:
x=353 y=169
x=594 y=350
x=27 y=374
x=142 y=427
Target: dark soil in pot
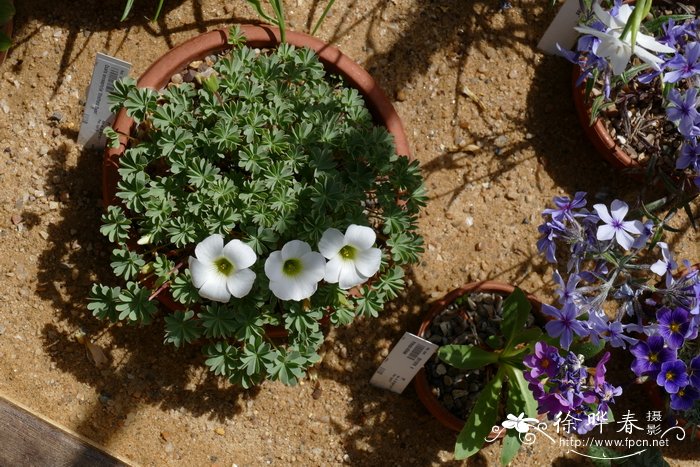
x=471 y=319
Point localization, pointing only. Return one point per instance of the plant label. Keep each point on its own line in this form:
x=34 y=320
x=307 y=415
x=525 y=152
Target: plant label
x=402 y=363
x=561 y=31
x=96 y=115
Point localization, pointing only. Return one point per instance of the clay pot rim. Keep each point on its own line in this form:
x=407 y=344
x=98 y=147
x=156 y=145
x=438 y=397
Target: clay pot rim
x=597 y=133
x=420 y=382
x=334 y=61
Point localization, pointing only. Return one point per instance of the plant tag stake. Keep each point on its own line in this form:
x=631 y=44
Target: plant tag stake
x=561 y=30
x=97 y=115
x=402 y=363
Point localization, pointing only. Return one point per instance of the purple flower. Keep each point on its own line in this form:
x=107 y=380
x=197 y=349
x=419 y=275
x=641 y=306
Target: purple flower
x=615 y=224
x=564 y=325
x=606 y=393
x=684 y=66
x=672 y=32
x=566 y=291
x=682 y=111
x=684 y=398
x=672 y=376
x=565 y=206
x=694 y=372
x=545 y=360
x=674 y=325
x=666 y=265
x=689 y=156
x=650 y=355
x=550 y=231
x=647 y=232
x=612 y=332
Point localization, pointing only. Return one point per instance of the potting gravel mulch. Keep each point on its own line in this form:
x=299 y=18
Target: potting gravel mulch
x=489 y=118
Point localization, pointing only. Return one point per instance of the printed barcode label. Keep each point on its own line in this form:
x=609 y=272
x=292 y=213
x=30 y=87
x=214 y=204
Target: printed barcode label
x=403 y=362
x=96 y=115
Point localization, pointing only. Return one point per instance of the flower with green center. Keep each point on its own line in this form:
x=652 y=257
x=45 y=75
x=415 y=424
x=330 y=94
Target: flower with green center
x=294 y=271
x=351 y=258
x=220 y=271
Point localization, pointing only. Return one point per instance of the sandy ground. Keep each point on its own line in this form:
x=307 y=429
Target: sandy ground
x=490 y=170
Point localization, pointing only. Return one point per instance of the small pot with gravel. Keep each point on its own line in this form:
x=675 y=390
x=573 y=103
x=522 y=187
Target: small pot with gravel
x=265 y=192
x=638 y=103
x=484 y=330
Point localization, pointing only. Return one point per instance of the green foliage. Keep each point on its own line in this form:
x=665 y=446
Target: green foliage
x=506 y=354
x=7 y=11
x=271 y=150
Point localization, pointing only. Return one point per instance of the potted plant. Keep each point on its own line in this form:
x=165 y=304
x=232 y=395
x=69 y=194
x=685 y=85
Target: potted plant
x=7 y=12
x=479 y=361
x=636 y=85
x=262 y=193
x=615 y=290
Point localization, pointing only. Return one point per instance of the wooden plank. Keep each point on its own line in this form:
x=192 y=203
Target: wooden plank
x=29 y=439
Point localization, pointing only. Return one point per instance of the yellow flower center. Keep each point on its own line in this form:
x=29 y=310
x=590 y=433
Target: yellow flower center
x=348 y=252
x=669 y=376
x=292 y=267
x=224 y=266
x=674 y=327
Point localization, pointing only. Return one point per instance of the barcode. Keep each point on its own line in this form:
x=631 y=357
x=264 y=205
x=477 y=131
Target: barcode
x=111 y=78
x=380 y=370
x=415 y=352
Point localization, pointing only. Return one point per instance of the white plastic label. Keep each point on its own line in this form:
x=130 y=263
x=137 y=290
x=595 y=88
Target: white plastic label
x=97 y=115
x=561 y=31
x=403 y=362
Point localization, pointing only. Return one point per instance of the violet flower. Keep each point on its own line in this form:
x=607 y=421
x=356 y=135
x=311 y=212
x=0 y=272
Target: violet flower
x=673 y=325
x=684 y=66
x=615 y=224
x=564 y=325
x=684 y=398
x=565 y=206
x=694 y=372
x=682 y=111
x=666 y=265
x=545 y=360
x=672 y=376
x=689 y=156
x=650 y=355
x=566 y=291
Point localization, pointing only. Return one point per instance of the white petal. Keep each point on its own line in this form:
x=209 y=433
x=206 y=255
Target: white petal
x=349 y=277
x=624 y=239
x=200 y=271
x=605 y=232
x=293 y=289
x=367 y=261
x=618 y=209
x=594 y=32
x=273 y=266
x=240 y=282
x=295 y=249
x=331 y=242
x=360 y=236
x=617 y=52
x=332 y=272
x=602 y=15
x=313 y=267
x=509 y=424
x=659 y=268
x=648 y=58
x=633 y=227
x=215 y=289
x=210 y=248
x=521 y=427
x=623 y=14
x=241 y=255
x=602 y=211
x=650 y=43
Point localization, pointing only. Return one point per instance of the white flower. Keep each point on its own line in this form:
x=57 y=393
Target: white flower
x=220 y=271
x=520 y=423
x=665 y=266
x=619 y=51
x=615 y=224
x=352 y=260
x=295 y=271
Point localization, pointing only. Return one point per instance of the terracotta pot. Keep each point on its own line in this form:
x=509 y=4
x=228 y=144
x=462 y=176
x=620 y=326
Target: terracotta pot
x=7 y=29
x=335 y=62
x=420 y=382
x=597 y=133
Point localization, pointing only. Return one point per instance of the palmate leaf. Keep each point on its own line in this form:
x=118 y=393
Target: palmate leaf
x=223 y=358
x=103 y=302
x=115 y=225
x=256 y=356
x=370 y=303
x=391 y=283
x=249 y=322
x=120 y=91
x=405 y=247
x=134 y=305
x=301 y=320
x=181 y=329
x=140 y=103
x=126 y=263
x=286 y=366
x=218 y=320
x=183 y=290
x=133 y=191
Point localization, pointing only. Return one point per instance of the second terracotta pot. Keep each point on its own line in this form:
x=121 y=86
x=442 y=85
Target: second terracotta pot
x=420 y=382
